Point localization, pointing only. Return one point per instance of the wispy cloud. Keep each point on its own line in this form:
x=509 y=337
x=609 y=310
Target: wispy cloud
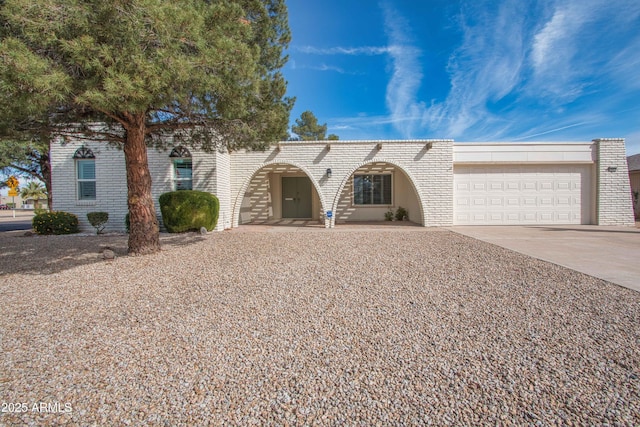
x=522 y=70
x=338 y=50
x=547 y=132
x=546 y=62
x=406 y=77
x=556 y=50
x=485 y=68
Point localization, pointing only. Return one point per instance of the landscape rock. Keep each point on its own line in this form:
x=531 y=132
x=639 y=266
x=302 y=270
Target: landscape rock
x=315 y=327
x=108 y=254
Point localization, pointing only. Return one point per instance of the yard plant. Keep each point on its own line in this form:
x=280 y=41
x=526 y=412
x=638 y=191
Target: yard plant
x=55 y=223
x=188 y=210
x=401 y=214
x=98 y=220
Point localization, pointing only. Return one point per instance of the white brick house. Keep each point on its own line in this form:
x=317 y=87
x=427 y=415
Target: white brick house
x=439 y=182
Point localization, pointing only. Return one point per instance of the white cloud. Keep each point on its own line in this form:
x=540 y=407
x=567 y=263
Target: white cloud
x=485 y=68
x=544 y=56
x=339 y=50
x=406 y=78
x=624 y=67
x=325 y=67
x=556 y=49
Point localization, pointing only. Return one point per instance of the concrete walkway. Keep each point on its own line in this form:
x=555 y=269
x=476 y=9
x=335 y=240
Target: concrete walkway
x=609 y=253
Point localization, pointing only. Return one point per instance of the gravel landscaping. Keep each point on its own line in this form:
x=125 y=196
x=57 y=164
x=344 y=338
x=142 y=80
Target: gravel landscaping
x=315 y=327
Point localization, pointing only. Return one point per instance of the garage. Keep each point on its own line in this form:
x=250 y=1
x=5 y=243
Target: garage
x=523 y=194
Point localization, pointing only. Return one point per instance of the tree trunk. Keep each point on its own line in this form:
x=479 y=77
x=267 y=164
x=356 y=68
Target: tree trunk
x=144 y=232
x=45 y=170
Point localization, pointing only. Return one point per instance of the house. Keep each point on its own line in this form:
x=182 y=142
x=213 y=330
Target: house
x=439 y=182
x=11 y=201
x=633 y=164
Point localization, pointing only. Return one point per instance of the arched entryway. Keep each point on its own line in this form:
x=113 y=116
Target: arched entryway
x=277 y=192
x=374 y=188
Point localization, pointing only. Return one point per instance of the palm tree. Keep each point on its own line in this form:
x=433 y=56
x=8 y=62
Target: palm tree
x=33 y=190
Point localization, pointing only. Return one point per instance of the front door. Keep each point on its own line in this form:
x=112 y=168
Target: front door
x=296 y=197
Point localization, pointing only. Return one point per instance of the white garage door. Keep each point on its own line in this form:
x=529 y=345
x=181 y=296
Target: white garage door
x=531 y=194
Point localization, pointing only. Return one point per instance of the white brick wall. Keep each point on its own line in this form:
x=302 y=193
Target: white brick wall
x=111 y=183
x=243 y=181
x=111 y=180
x=430 y=170
x=614 y=205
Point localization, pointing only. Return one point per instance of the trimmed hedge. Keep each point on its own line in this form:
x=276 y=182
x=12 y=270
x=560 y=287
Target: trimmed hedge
x=188 y=210
x=55 y=223
x=98 y=220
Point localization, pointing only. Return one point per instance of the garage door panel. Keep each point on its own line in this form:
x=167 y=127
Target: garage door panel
x=545 y=201
x=478 y=186
x=515 y=194
x=496 y=201
x=496 y=186
x=512 y=185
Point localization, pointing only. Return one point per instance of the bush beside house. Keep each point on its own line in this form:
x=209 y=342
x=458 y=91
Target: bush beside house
x=55 y=223
x=188 y=210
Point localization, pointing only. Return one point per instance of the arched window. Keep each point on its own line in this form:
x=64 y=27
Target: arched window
x=182 y=168
x=85 y=173
x=180 y=151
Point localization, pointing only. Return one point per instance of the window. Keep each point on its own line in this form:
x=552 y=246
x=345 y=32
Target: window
x=85 y=173
x=182 y=168
x=372 y=189
x=86 y=179
x=182 y=174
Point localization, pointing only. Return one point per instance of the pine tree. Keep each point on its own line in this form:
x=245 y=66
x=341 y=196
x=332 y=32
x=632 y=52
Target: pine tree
x=144 y=68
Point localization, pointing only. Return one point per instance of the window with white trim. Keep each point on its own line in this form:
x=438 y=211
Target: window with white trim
x=182 y=174
x=85 y=173
x=182 y=169
x=372 y=189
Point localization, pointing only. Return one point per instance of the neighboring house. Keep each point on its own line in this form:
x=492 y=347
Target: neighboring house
x=22 y=204
x=439 y=182
x=633 y=163
x=31 y=203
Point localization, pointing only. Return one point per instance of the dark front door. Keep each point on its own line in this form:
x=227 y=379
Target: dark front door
x=296 y=197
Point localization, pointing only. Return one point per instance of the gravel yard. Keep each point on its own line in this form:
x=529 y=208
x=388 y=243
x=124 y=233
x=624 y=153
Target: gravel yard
x=382 y=327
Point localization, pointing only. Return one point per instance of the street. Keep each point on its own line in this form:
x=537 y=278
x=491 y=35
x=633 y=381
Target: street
x=22 y=221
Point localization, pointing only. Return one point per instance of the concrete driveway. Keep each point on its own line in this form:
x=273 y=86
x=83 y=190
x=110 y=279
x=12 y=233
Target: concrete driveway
x=609 y=253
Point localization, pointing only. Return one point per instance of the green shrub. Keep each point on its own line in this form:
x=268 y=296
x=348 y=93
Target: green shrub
x=55 y=223
x=388 y=216
x=98 y=220
x=187 y=210
x=127 y=222
x=401 y=214
x=39 y=211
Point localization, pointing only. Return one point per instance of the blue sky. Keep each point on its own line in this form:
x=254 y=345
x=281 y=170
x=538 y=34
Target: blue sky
x=477 y=70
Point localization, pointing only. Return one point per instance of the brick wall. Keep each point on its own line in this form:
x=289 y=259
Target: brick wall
x=427 y=164
x=614 y=205
x=111 y=181
x=244 y=183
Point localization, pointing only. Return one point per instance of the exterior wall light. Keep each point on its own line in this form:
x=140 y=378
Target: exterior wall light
x=428 y=146
x=329 y=173
x=379 y=145
x=612 y=168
